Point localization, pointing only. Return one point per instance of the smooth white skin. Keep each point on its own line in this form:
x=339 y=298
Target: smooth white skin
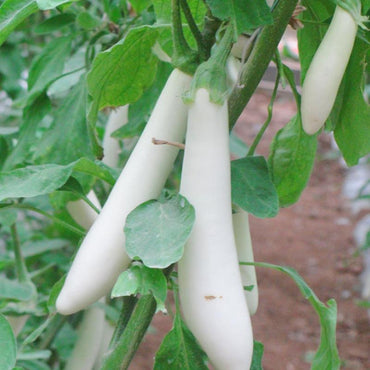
x=87 y=346
x=245 y=254
x=326 y=71
x=210 y=287
x=233 y=66
x=101 y=256
x=117 y=118
x=82 y=213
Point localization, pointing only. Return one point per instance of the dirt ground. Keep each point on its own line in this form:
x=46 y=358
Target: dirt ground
x=315 y=237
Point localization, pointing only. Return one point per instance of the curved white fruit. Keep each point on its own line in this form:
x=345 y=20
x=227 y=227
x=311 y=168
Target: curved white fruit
x=210 y=287
x=326 y=71
x=82 y=213
x=87 y=346
x=117 y=118
x=102 y=257
x=245 y=254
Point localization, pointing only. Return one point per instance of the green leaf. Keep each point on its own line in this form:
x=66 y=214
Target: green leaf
x=51 y=4
x=88 y=21
x=12 y=289
x=12 y=13
x=54 y=293
x=237 y=146
x=139 y=112
x=326 y=356
x=58 y=147
x=32 y=248
x=139 y=279
x=156 y=231
x=8 y=217
x=54 y=23
x=37 y=332
x=43 y=179
x=258 y=349
x=120 y=75
x=47 y=66
x=32 y=116
x=245 y=14
x=291 y=160
x=252 y=188
x=179 y=350
x=140 y=5
x=8 y=345
x=352 y=132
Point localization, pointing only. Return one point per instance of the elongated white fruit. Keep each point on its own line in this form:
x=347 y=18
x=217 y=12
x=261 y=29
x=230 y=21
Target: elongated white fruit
x=211 y=291
x=326 y=71
x=102 y=257
x=117 y=118
x=245 y=254
x=82 y=213
x=87 y=346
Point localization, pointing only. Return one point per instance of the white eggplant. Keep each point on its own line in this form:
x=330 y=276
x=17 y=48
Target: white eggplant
x=210 y=286
x=117 y=118
x=87 y=346
x=102 y=256
x=82 y=212
x=323 y=78
x=245 y=254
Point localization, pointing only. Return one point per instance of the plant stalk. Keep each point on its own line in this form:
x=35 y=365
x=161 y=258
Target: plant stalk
x=120 y=357
x=20 y=265
x=258 y=61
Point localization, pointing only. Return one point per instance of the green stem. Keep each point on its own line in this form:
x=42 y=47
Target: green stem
x=53 y=328
x=211 y=26
x=120 y=357
x=183 y=57
x=51 y=217
x=89 y=202
x=259 y=59
x=194 y=29
x=258 y=138
x=20 y=264
x=128 y=306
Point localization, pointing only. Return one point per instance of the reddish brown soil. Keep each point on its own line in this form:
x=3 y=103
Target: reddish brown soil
x=315 y=237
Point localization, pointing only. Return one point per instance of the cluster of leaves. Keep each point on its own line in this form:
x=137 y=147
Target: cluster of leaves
x=63 y=65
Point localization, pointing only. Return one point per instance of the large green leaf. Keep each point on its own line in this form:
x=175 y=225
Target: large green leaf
x=326 y=356
x=245 y=14
x=8 y=345
x=120 y=75
x=48 y=65
x=68 y=138
x=51 y=4
x=291 y=161
x=180 y=350
x=156 y=231
x=31 y=181
x=12 y=289
x=12 y=13
x=139 y=112
x=139 y=279
x=252 y=188
x=352 y=128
